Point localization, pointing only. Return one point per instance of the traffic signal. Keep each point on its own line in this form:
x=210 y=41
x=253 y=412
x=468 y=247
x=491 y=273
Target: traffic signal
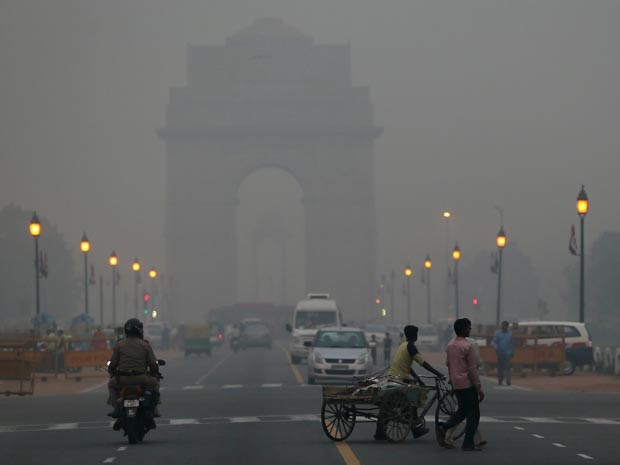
x=377 y=300
x=154 y=313
x=146 y=297
x=474 y=301
x=146 y=311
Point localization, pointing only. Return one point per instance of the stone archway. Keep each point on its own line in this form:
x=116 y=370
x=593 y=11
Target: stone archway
x=270 y=97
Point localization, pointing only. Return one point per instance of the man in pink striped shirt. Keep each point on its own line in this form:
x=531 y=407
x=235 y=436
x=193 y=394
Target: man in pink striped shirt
x=466 y=383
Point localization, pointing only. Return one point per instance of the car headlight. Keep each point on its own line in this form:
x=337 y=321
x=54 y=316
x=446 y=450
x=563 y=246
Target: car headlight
x=362 y=359
x=318 y=358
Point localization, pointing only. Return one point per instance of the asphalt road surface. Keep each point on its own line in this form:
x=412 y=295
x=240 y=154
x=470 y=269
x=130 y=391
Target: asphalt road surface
x=254 y=408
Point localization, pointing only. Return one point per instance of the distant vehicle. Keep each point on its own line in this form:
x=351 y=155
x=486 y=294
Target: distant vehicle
x=338 y=354
x=255 y=335
x=153 y=333
x=197 y=339
x=428 y=337
x=217 y=333
x=376 y=330
x=576 y=337
x=312 y=313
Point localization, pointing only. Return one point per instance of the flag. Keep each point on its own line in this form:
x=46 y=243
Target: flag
x=572 y=243
x=494 y=263
x=43 y=264
x=91 y=277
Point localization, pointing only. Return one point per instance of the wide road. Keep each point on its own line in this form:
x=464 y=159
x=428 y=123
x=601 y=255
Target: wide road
x=254 y=408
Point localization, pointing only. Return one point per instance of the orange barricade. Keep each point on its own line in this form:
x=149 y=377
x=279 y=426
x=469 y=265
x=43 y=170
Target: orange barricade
x=75 y=362
x=14 y=367
x=528 y=353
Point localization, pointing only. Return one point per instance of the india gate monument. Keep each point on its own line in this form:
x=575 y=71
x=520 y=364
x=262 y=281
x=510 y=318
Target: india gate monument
x=270 y=97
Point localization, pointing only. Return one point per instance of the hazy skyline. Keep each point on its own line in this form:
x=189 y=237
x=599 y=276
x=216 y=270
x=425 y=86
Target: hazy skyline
x=483 y=103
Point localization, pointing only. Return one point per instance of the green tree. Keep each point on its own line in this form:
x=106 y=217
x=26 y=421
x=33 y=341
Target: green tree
x=59 y=292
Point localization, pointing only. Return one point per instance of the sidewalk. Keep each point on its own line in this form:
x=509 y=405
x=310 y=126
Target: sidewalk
x=580 y=381
x=62 y=386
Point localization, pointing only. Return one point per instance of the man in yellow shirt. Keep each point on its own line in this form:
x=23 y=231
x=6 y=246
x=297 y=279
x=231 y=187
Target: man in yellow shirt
x=406 y=354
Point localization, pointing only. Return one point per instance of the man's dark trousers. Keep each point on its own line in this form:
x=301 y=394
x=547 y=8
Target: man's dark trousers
x=469 y=408
x=503 y=367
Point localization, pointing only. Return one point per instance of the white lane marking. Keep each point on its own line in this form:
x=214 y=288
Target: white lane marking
x=602 y=421
x=232 y=386
x=538 y=436
x=557 y=444
x=121 y=449
x=64 y=426
x=584 y=456
x=203 y=377
x=244 y=420
x=109 y=460
x=274 y=385
x=519 y=428
x=93 y=388
x=183 y=421
x=185 y=388
x=491 y=420
x=541 y=420
x=304 y=417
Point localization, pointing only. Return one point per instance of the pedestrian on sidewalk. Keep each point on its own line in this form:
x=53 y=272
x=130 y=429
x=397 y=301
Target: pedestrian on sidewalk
x=466 y=383
x=387 y=348
x=504 y=349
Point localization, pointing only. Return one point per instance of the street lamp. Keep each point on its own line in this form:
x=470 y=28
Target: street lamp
x=35 y=231
x=456 y=255
x=447 y=215
x=152 y=275
x=408 y=272
x=583 y=205
x=428 y=264
x=85 y=248
x=501 y=241
x=135 y=266
x=113 y=263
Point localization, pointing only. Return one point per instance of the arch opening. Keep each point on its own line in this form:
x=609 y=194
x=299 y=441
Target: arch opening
x=270 y=231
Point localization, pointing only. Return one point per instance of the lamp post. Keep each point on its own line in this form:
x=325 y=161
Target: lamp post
x=153 y=276
x=135 y=266
x=113 y=263
x=408 y=272
x=501 y=241
x=583 y=204
x=85 y=248
x=456 y=255
x=428 y=264
x=35 y=231
x=446 y=216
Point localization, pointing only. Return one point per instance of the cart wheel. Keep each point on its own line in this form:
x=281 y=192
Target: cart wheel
x=338 y=420
x=396 y=416
x=446 y=407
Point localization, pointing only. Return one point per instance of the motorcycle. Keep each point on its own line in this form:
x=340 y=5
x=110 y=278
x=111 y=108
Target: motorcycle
x=234 y=344
x=137 y=407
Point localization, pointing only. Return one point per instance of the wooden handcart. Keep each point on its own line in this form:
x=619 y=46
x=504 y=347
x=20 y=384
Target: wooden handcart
x=387 y=400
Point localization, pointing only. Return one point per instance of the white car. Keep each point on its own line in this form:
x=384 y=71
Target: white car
x=338 y=354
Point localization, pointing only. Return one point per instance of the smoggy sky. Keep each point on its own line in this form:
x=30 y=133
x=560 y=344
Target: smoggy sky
x=484 y=102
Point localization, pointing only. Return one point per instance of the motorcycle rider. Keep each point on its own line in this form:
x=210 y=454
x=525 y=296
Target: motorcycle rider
x=133 y=362
x=235 y=335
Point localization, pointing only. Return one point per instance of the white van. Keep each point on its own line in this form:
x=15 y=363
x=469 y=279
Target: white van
x=316 y=311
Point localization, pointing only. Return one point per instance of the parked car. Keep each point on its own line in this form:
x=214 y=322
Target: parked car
x=255 y=335
x=338 y=354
